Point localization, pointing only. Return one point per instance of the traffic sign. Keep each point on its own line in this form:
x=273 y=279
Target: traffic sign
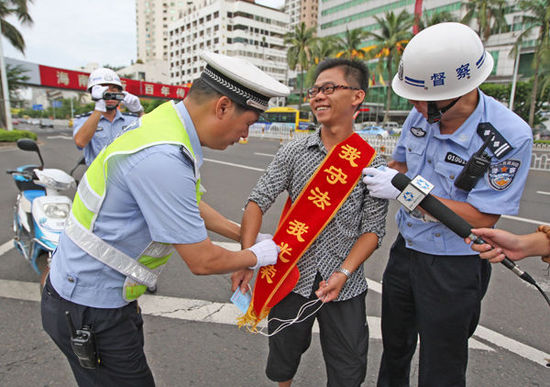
x=37 y=107
x=57 y=104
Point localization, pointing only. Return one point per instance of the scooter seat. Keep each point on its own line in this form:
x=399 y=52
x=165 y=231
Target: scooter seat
x=31 y=194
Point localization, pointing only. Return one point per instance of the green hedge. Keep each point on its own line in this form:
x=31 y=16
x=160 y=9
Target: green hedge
x=542 y=141
x=14 y=135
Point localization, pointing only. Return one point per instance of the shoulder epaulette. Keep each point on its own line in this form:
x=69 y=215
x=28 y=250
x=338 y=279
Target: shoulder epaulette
x=130 y=114
x=498 y=145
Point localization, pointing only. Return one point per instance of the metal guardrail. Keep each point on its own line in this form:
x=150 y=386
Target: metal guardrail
x=540 y=159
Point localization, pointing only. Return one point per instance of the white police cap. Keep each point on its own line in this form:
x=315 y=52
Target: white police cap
x=241 y=81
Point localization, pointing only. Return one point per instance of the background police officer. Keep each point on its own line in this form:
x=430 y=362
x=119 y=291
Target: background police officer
x=94 y=130
x=433 y=285
x=139 y=198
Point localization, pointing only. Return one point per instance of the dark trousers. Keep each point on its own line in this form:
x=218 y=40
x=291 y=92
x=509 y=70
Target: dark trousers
x=118 y=334
x=437 y=298
x=344 y=336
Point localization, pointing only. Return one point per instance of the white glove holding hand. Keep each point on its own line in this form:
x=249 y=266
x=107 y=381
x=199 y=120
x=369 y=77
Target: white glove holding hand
x=97 y=95
x=132 y=102
x=378 y=181
x=266 y=253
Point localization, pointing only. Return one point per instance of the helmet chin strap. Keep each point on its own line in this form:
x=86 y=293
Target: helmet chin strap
x=109 y=108
x=434 y=113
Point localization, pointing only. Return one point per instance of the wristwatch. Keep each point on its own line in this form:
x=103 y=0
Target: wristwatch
x=346 y=272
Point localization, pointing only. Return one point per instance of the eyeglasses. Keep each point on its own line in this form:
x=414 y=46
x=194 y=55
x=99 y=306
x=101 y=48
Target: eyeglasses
x=327 y=89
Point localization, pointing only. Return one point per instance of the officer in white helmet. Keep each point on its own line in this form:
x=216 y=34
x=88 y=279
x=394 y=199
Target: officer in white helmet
x=139 y=200
x=476 y=153
x=94 y=130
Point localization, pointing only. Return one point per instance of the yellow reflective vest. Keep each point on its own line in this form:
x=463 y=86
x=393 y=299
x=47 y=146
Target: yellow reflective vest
x=162 y=126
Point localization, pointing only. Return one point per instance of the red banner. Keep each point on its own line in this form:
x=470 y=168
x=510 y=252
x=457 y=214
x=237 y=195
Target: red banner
x=316 y=205
x=77 y=80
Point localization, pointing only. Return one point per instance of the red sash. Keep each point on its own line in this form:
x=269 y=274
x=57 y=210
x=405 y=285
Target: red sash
x=313 y=209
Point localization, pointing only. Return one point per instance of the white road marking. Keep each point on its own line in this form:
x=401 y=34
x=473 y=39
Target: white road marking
x=227 y=313
x=6 y=247
x=193 y=310
x=264 y=154
x=532 y=221
x=61 y=137
x=543 y=193
x=511 y=345
x=235 y=165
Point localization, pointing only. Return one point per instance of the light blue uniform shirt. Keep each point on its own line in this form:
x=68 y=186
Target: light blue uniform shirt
x=439 y=158
x=105 y=133
x=150 y=196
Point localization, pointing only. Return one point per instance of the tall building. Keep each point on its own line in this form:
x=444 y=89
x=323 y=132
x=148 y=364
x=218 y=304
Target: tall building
x=335 y=16
x=231 y=27
x=152 y=20
x=299 y=11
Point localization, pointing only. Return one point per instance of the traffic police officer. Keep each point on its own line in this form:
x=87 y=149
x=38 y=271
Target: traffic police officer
x=94 y=130
x=433 y=285
x=137 y=199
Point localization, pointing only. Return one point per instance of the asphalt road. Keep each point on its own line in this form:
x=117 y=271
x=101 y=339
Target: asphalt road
x=185 y=349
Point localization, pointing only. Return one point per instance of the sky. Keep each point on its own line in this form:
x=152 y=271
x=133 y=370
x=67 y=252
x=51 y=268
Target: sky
x=72 y=33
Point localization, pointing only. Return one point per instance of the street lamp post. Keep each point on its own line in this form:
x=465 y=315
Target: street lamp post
x=514 y=80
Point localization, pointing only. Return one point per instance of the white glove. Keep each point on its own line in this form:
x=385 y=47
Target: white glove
x=378 y=181
x=132 y=102
x=97 y=92
x=263 y=237
x=97 y=95
x=266 y=253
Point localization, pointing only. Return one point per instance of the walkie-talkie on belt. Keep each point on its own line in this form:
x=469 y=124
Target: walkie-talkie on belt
x=474 y=168
x=83 y=344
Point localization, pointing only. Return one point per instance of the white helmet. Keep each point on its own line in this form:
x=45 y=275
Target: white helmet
x=103 y=76
x=444 y=61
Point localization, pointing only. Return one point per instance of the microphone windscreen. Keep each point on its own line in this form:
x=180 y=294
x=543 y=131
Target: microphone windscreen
x=436 y=209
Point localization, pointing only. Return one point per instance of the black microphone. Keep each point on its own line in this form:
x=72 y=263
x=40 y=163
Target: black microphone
x=457 y=224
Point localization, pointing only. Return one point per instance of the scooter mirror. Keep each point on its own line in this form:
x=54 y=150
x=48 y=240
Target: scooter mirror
x=27 y=144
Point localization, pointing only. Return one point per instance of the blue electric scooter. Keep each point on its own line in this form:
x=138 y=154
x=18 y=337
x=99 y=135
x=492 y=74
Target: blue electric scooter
x=40 y=210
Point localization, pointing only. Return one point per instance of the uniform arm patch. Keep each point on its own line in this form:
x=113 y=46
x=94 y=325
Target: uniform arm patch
x=502 y=174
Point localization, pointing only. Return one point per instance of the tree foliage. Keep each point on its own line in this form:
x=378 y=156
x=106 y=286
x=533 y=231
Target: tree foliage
x=395 y=31
x=350 y=45
x=321 y=48
x=431 y=18
x=489 y=16
x=522 y=100
x=299 y=43
x=20 y=10
x=536 y=20
x=16 y=80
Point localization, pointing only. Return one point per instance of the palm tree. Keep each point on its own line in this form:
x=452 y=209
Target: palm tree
x=431 y=18
x=16 y=79
x=298 y=54
x=489 y=15
x=321 y=48
x=536 y=20
x=350 y=44
x=395 y=31
x=544 y=73
x=19 y=9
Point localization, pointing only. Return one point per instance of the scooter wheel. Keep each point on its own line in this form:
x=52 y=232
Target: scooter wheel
x=152 y=290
